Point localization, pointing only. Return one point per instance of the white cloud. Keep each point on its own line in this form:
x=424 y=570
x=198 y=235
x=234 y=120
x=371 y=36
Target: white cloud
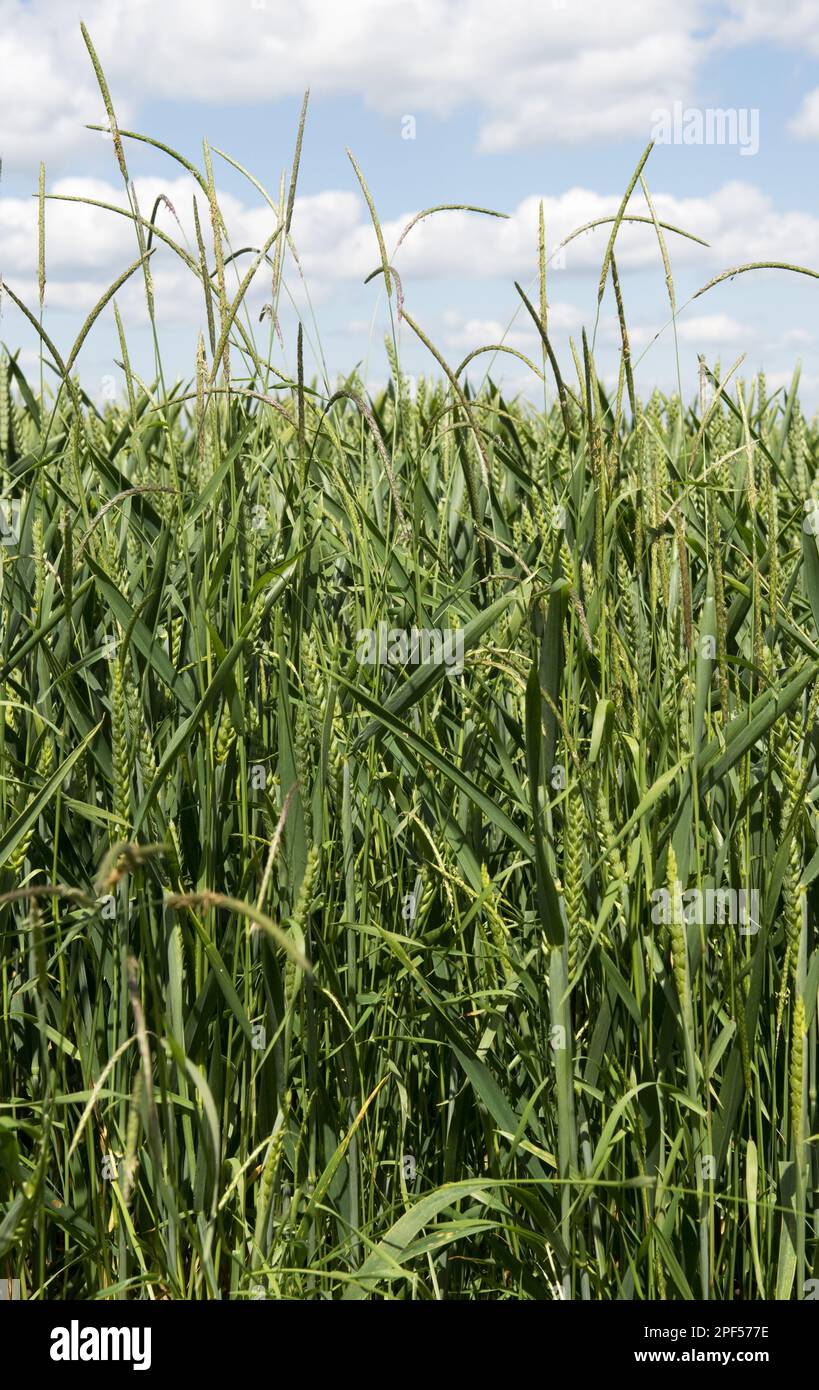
x=797 y=337
x=805 y=125
x=536 y=73
x=76 y=296
x=45 y=95
x=756 y=21
x=336 y=242
x=712 y=330
x=739 y=222
x=474 y=332
x=608 y=88
x=87 y=247
x=795 y=25
x=701 y=331
x=808 y=382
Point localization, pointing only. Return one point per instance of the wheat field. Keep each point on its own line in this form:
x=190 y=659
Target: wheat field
x=408 y=827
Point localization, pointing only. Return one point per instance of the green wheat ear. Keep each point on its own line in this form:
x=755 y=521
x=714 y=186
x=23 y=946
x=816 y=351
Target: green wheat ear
x=573 y=889
x=298 y=921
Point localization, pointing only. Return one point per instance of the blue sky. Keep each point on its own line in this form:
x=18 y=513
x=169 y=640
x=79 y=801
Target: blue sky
x=511 y=104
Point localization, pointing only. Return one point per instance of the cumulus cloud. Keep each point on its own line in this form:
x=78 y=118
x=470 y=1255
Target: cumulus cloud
x=712 y=330
x=470 y=333
x=701 y=331
x=44 y=99
x=335 y=240
x=758 y=21
x=546 y=73
x=87 y=247
x=805 y=124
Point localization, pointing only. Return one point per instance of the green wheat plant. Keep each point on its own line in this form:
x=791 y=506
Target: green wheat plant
x=334 y=979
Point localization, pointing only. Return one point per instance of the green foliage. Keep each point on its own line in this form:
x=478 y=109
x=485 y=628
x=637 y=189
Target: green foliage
x=335 y=979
